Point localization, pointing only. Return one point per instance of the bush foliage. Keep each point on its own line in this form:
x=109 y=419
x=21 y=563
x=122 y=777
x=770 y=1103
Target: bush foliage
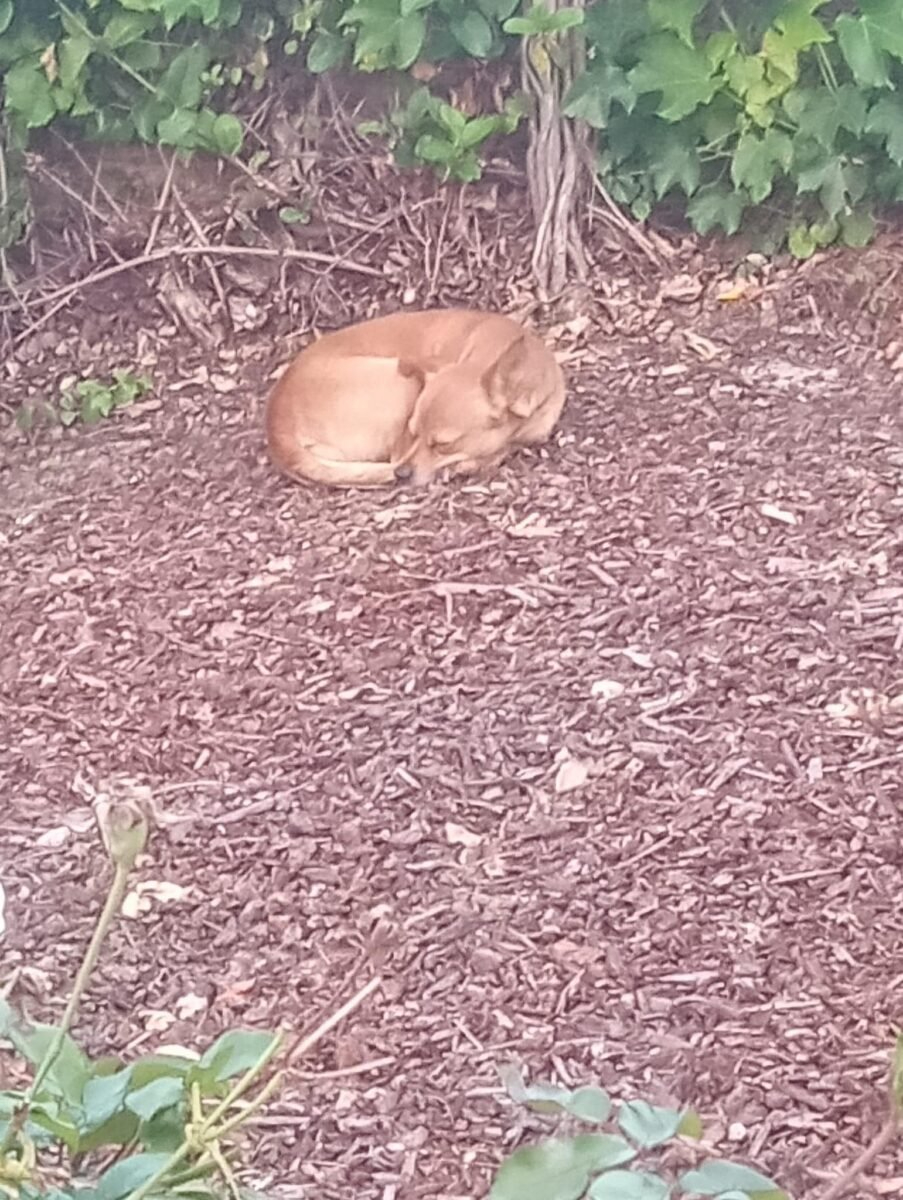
x=727 y=107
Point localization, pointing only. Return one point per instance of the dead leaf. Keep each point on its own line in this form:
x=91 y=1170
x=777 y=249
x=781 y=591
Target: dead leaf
x=682 y=288
x=140 y=899
x=190 y=1005
x=52 y=839
x=572 y=773
x=607 y=689
x=778 y=514
x=703 y=346
x=460 y=835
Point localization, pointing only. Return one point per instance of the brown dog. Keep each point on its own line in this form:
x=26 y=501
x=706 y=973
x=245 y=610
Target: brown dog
x=405 y=396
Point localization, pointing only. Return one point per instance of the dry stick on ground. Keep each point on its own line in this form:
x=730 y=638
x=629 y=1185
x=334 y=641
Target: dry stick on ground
x=161 y=203
x=880 y=1142
x=64 y=294
x=554 y=158
x=208 y=262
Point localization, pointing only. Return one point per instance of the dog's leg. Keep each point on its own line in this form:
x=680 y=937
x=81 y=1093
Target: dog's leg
x=322 y=465
x=538 y=428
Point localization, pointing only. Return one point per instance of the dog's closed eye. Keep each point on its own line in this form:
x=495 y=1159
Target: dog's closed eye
x=444 y=440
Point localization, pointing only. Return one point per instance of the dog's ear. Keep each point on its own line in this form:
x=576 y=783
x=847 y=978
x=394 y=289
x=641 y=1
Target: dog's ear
x=510 y=383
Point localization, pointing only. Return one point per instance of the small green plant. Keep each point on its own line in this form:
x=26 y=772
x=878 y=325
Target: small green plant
x=427 y=131
x=88 y=400
x=595 y=1165
x=160 y=1125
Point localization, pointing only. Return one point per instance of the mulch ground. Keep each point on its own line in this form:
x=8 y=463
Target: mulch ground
x=597 y=762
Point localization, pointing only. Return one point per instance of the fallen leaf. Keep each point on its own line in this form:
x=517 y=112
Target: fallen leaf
x=607 y=689
x=190 y=1005
x=54 y=838
x=460 y=835
x=572 y=773
x=778 y=514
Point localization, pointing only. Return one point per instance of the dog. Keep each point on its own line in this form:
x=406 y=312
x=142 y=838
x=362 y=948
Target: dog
x=402 y=397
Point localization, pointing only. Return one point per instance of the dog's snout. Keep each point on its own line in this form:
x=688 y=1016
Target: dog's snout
x=404 y=472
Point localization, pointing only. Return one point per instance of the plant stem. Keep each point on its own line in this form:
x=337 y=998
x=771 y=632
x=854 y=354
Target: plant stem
x=879 y=1142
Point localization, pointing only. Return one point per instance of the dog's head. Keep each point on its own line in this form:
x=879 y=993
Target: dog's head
x=464 y=417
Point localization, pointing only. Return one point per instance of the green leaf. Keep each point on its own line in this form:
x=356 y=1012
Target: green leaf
x=231 y=1054
x=409 y=40
x=497 y=10
x=716 y=207
x=546 y=1097
x=589 y=1104
x=882 y=17
x=326 y=51
x=473 y=32
x=72 y=55
x=28 y=92
x=629 y=1185
x=865 y=56
x=151 y=1099
x=714 y=1177
x=102 y=1097
x=6 y=15
x=434 y=149
x=800 y=29
x=558 y=1169
x=857 y=228
x=614 y=26
x=690 y=1125
x=826 y=110
x=453 y=120
x=647 y=1124
x=675 y=162
x=479 y=129
x=886 y=117
x=593 y=92
x=677 y=16
x=227 y=134
x=179 y=129
x=683 y=75
x=294 y=216
x=756 y=160
x=125 y=1176
x=124 y=27
x=181 y=82
x=69 y=1073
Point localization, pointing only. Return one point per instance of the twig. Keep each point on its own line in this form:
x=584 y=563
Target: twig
x=306 y=1042
x=208 y=262
x=879 y=1142
x=161 y=205
x=64 y=294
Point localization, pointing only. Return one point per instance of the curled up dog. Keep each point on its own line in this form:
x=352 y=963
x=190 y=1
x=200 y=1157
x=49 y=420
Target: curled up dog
x=406 y=396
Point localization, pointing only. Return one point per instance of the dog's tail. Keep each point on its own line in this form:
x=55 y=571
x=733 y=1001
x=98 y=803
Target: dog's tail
x=305 y=464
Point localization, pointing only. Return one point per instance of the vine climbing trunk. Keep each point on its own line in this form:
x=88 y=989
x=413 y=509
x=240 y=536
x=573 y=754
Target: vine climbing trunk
x=556 y=157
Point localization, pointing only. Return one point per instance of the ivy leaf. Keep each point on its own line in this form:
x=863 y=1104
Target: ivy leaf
x=682 y=74
x=799 y=27
x=826 y=110
x=886 y=117
x=592 y=94
x=677 y=16
x=757 y=159
x=714 y=1178
x=865 y=56
x=6 y=15
x=857 y=228
x=629 y=1185
x=716 y=207
x=612 y=27
x=675 y=163
x=882 y=17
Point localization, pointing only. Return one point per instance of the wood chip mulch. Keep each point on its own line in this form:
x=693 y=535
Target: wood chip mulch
x=597 y=761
